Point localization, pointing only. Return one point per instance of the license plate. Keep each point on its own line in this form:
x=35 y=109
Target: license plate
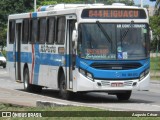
x=117 y=84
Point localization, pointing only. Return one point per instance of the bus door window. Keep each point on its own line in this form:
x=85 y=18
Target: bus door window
x=72 y=49
x=25 y=34
x=18 y=49
x=11 y=32
x=61 y=22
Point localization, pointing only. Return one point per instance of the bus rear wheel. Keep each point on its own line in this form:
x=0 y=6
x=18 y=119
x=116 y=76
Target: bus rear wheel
x=64 y=93
x=29 y=87
x=124 y=96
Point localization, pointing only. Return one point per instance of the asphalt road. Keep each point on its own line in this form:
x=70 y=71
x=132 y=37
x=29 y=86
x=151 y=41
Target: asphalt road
x=12 y=92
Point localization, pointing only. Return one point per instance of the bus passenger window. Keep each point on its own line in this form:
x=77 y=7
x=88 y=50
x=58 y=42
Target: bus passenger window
x=51 y=30
x=11 y=32
x=34 y=31
x=25 y=34
x=42 y=30
x=61 y=30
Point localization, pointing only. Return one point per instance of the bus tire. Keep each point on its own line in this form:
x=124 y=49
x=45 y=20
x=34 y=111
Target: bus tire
x=63 y=92
x=124 y=96
x=29 y=87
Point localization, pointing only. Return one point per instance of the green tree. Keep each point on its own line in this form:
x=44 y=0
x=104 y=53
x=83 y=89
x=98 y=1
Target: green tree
x=127 y=2
x=155 y=23
x=11 y=7
x=156 y=6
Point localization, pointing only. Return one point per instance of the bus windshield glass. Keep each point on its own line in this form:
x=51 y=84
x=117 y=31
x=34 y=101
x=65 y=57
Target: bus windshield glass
x=124 y=41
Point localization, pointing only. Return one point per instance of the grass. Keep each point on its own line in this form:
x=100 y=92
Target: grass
x=155 y=68
x=62 y=110
x=10 y=107
x=155 y=63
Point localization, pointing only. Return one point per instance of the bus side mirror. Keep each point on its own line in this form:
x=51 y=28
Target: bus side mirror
x=74 y=38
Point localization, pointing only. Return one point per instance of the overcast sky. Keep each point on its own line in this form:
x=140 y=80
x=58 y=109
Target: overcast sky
x=145 y=2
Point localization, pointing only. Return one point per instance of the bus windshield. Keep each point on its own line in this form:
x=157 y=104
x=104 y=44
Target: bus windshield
x=124 y=41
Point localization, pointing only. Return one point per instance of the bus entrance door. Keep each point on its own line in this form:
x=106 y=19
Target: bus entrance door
x=71 y=53
x=17 y=51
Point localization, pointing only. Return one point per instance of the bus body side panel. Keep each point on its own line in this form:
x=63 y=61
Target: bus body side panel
x=10 y=56
x=48 y=76
x=143 y=85
x=44 y=70
x=10 y=62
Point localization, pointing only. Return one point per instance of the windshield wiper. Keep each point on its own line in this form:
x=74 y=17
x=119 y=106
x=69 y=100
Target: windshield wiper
x=126 y=32
x=104 y=32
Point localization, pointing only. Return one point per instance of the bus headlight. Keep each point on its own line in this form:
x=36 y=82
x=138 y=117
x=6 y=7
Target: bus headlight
x=144 y=74
x=141 y=76
x=83 y=72
x=146 y=71
x=86 y=74
x=89 y=76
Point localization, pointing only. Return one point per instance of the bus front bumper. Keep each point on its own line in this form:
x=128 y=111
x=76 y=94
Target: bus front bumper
x=85 y=84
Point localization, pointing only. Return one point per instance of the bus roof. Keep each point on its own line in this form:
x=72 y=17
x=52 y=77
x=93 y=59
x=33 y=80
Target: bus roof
x=82 y=6
x=68 y=9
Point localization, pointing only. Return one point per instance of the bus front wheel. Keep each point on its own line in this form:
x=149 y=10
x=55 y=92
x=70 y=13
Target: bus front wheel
x=29 y=87
x=64 y=93
x=124 y=96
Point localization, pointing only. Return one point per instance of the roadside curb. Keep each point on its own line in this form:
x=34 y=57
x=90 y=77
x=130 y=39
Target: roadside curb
x=51 y=104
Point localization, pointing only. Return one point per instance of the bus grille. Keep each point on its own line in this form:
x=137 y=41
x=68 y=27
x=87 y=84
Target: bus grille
x=108 y=83
x=125 y=66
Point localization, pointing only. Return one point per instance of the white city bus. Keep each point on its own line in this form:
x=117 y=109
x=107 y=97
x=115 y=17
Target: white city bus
x=80 y=48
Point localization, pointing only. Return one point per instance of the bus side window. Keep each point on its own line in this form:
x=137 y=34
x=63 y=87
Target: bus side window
x=25 y=34
x=61 y=23
x=11 y=32
x=34 y=31
x=51 y=30
x=42 y=30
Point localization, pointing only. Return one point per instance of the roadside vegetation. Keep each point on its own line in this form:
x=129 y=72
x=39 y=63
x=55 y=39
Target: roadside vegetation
x=4 y=53
x=11 y=107
x=155 y=68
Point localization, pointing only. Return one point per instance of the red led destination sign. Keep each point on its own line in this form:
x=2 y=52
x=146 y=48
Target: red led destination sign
x=113 y=14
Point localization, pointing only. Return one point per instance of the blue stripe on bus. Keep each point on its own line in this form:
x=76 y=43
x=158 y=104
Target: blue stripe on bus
x=36 y=63
x=44 y=58
x=56 y=60
x=34 y=15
